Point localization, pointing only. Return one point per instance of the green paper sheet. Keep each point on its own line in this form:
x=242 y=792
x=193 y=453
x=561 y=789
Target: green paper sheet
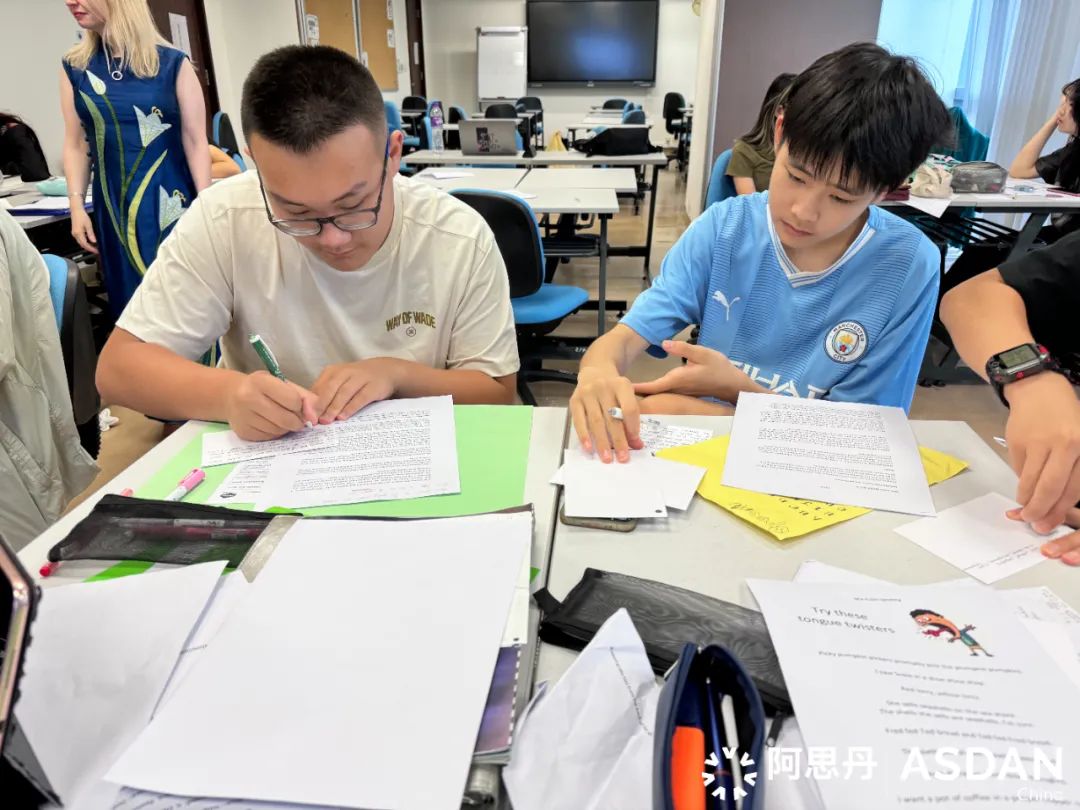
x=493 y=455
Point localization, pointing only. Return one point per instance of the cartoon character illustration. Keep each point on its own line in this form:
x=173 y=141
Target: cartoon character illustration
x=936 y=624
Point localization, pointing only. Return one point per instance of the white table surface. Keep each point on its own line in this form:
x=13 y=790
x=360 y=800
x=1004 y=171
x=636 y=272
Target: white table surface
x=1007 y=200
x=607 y=121
x=452 y=157
x=618 y=180
x=491 y=179
x=571 y=200
x=545 y=453
x=708 y=550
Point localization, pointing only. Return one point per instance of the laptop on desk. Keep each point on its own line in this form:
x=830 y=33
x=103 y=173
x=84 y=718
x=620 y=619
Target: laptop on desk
x=488 y=136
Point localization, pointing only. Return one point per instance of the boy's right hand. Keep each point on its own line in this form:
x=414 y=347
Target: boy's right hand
x=261 y=407
x=598 y=390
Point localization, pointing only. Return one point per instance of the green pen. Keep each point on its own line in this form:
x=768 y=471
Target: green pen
x=266 y=355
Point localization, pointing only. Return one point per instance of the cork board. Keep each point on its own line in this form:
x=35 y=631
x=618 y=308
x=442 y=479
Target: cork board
x=337 y=25
x=377 y=41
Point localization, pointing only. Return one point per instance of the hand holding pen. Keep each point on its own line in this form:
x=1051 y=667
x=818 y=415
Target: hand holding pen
x=264 y=405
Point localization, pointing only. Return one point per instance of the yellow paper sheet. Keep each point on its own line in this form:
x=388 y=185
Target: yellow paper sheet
x=784 y=518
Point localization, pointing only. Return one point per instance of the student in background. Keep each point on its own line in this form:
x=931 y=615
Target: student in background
x=1060 y=168
x=20 y=151
x=752 y=156
x=138 y=102
x=1006 y=314
x=365 y=284
x=808 y=290
x=221 y=165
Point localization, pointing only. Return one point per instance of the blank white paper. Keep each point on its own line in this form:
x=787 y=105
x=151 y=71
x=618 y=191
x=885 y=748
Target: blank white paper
x=978 y=539
x=400 y=448
x=354 y=673
x=839 y=452
x=597 y=490
x=101 y=655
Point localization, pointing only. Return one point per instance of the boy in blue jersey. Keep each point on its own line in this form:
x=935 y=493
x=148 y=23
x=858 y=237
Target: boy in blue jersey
x=807 y=289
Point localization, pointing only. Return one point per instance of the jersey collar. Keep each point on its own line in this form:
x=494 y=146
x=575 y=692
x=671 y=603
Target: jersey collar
x=799 y=278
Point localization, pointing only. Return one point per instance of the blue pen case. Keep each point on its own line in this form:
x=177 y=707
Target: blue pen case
x=692 y=697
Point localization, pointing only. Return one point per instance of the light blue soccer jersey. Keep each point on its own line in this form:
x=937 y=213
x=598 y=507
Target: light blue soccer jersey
x=854 y=332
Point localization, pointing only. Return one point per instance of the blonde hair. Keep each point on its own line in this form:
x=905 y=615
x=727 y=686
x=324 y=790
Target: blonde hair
x=129 y=32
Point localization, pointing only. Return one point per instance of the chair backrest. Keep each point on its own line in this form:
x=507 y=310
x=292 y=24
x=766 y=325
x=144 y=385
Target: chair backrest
x=456 y=114
x=615 y=104
x=224 y=137
x=634 y=117
x=512 y=221
x=72 y=312
x=501 y=111
x=239 y=162
x=58 y=281
x=531 y=103
x=720 y=185
x=414 y=103
x=673 y=102
x=423 y=131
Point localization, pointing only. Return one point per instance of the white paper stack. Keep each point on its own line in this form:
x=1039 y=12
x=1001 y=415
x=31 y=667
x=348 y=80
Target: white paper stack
x=644 y=487
x=358 y=640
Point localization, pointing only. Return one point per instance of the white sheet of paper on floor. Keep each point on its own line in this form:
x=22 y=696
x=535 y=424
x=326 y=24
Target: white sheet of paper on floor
x=978 y=539
x=838 y=452
x=264 y=719
x=88 y=691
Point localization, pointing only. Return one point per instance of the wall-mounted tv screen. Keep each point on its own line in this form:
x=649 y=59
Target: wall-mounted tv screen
x=592 y=41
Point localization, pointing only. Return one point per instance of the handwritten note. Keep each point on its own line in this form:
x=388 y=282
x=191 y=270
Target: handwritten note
x=784 y=518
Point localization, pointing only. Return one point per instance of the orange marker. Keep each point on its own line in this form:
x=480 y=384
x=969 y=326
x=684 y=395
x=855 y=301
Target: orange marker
x=687 y=760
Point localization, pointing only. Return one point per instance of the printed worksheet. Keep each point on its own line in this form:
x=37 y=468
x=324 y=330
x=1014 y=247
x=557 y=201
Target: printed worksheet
x=839 y=452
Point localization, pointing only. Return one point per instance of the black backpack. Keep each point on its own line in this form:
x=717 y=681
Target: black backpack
x=618 y=141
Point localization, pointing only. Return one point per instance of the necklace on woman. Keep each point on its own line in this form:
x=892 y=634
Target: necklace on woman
x=116 y=73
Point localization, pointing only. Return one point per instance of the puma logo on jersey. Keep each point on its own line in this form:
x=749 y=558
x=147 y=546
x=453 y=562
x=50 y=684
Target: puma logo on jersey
x=721 y=299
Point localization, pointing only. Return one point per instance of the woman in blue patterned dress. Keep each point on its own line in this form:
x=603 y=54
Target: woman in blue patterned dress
x=134 y=112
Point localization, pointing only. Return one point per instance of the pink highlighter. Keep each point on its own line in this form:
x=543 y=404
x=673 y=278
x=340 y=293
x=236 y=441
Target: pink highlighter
x=186 y=485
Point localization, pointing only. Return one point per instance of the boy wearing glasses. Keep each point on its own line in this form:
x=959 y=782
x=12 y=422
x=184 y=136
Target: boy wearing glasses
x=365 y=284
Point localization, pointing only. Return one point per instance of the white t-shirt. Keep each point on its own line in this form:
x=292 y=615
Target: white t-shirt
x=436 y=292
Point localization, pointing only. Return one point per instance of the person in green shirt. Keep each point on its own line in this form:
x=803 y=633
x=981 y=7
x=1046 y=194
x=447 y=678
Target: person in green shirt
x=752 y=156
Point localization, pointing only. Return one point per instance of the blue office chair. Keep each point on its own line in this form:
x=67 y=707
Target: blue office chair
x=456 y=115
x=720 y=185
x=538 y=307
x=223 y=135
x=634 y=117
x=72 y=310
x=393 y=123
x=615 y=104
x=239 y=161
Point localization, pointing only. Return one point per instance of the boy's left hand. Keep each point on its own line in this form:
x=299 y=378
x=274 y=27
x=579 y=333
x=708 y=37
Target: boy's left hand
x=345 y=388
x=706 y=373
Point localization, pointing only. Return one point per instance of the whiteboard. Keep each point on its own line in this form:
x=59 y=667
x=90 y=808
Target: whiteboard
x=501 y=63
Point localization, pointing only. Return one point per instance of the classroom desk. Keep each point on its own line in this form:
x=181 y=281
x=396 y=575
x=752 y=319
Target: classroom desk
x=708 y=550
x=454 y=157
x=489 y=179
x=548 y=437
x=619 y=180
x=1037 y=208
x=549 y=196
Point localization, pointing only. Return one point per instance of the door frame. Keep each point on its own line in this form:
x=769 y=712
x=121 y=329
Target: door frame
x=414 y=27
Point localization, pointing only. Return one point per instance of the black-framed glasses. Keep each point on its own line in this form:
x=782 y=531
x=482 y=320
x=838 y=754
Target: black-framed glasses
x=358 y=220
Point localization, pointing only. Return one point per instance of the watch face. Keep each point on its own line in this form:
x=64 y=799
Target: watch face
x=1020 y=356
